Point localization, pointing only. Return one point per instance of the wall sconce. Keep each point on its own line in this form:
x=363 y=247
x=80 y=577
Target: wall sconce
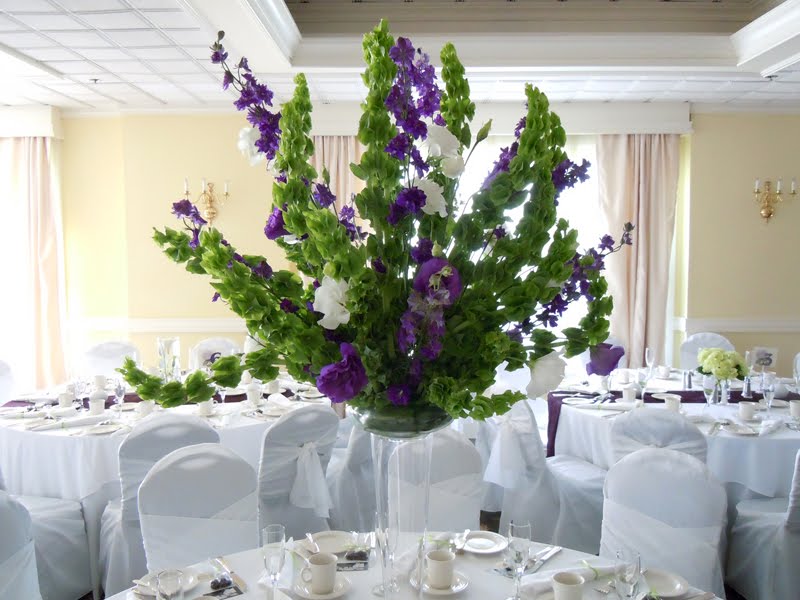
x=767 y=199
x=207 y=199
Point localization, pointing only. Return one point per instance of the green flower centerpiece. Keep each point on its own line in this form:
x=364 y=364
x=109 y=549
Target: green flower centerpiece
x=405 y=299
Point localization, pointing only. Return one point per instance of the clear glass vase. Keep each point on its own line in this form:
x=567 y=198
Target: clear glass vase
x=169 y=358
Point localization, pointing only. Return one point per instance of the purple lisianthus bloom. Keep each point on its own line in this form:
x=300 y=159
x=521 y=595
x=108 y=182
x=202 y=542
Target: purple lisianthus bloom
x=343 y=380
x=215 y=297
x=184 y=209
x=423 y=251
x=603 y=359
x=262 y=269
x=378 y=265
x=437 y=275
x=323 y=195
x=275 y=227
x=399 y=394
x=288 y=306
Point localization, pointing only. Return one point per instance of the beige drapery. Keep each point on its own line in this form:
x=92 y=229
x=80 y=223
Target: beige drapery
x=638 y=181
x=33 y=302
x=336 y=152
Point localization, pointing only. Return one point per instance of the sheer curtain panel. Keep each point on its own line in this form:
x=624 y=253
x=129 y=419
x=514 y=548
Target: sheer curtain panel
x=336 y=152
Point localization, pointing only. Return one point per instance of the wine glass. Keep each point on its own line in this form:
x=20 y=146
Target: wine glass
x=169 y=585
x=627 y=574
x=519 y=546
x=768 y=389
x=222 y=392
x=273 y=546
x=649 y=358
x=709 y=387
x=119 y=395
x=81 y=387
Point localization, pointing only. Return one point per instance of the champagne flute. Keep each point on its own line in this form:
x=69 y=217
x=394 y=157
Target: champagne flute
x=649 y=358
x=519 y=546
x=627 y=574
x=709 y=387
x=273 y=546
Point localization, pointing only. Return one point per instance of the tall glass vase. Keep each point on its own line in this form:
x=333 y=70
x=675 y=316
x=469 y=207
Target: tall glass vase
x=169 y=358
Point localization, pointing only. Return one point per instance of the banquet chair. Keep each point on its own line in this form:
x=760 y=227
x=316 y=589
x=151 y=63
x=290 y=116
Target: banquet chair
x=518 y=466
x=291 y=474
x=205 y=352
x=122 y=556
x=656 y=428
x=105 y=358
x=485 y=436
x=6 y=382
x=18 y=578
x=764 y=547
x=351 y=484
x=666 y=506
x=61 y=544
x=197 y=502
x=456 y=482
x=696 y=342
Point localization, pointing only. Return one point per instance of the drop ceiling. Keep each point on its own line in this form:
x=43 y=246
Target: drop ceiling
x=131 y=55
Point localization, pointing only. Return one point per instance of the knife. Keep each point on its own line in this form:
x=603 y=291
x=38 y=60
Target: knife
x=705 y=596
x=544 y=558
x=714 y=428
x=235 y=578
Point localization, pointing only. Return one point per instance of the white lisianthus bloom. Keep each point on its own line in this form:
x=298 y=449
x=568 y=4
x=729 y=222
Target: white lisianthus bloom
x=547 y=373
x=330 y=299
x=453 y=166
x=434 y=197
x=247 y=145
x=440 y=142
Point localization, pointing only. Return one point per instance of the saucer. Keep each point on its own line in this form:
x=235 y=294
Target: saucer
x=665 y=584
x=485 y=542
x=148 y=586
x=460 y=583
x=333 y=542
x=340 y=588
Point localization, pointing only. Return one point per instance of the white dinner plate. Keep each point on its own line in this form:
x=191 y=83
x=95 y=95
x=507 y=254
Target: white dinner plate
x=460 y=583
x=664 y=584
x=340 y=588
x=737 y=429
x=310 y=394
x=777 y=403
x=578 y=401
x=103 y=429
x=485 y=542
x=148 y=586
x=334 y=542
x=126 y=406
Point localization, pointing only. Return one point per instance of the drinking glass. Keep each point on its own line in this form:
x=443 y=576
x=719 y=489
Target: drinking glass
x=169 y=585
x=749 y=361
x=519 y=546
x=222 y=392
x=709 y=387
x=81 y=387
x=627 y=574
x=768 y=389
x=273 y=546
x=119 y=396
x=649 y=358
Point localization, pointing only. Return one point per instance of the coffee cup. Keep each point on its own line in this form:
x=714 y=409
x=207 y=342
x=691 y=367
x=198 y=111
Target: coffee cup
x=794 y=408
x=65 y=399
x=747 y=410
x=623 y=376
x=629 y=393
x=440 y=569
x=145 y=407
x=206 y=408
x=663 y=372
x=672 y=402
x=320 y=572
x=97 y=406
x=253 y=391
x=272 y=387
x=567 y=586
x=100 y=382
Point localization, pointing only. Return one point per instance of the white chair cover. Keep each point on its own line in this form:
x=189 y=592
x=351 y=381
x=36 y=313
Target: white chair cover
x=765 y=546
x=351 y=483
x=250 y=344
x=518 y=465
x=580 y=492
x=486 y=433
x=105 y=358
x=122 y=556
x=18 y=577
x=291 y=474
x=456 y=482
x=695 y=342
x=195 y=503
x=201 y=354
x=6 y=382
x=656 y=428
x=667 y=506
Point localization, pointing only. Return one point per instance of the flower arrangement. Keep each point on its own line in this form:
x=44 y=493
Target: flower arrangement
x=405 y=296
x=722 y=364
x=603 y=359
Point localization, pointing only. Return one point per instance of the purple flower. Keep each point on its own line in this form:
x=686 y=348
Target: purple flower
x=227 y=80
x=219 y=56
x=343 y=380
x=501 y=165
x=378 y=265
x=316 y=283
x=606 y=243
x=399 y=394
x=407 y=334
x=215 y=297
x=398 y=146
x=423 y=251
x=262 y=270
x=603 y=359
x=275 y=227
x=499 y=232
x=288 y=306
x=515 y=334
x=409 y=201
x=347 y=218
x=436 y=276
x=567 y=174
x=184 y=209
x=310 y=306
x=415 y=372
x=520 y=126
x=323 y=195
x=195 y=241
x=281 y=177
x=402 y=53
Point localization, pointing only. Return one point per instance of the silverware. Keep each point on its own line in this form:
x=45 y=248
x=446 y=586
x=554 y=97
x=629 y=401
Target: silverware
x=312 y=543
x=460 y=541
x=235 y=578
x=544 y=558
x=714 y=428
x=703 y=596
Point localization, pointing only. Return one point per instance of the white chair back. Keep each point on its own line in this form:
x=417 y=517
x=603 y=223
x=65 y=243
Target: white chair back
x=210 y=349
x=657 y=501
x=291 y=475
x=105 y=358
x=6 y=382
x=195 y=503
x=656 y=428
x=18 y=576
x=796 y=365
x=793 y=513
x=148 y=443
x=696 y=342
x=352 y=485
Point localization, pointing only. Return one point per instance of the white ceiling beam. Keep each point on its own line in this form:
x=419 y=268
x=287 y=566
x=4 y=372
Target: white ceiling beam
x=771 y=42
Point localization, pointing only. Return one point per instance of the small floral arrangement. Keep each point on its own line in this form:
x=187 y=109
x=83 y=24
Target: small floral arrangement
x=722 y=364
x=404 y=296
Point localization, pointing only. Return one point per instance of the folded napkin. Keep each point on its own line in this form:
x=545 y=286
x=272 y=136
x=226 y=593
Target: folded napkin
x=279 y=402
x=541 y=582
x=67 y=423
x=701 y=418
x=770 y=426
x=611 y=406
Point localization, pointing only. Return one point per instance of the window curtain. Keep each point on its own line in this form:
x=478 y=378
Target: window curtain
x=638 y=182
x=32 y=315
x=336 y=152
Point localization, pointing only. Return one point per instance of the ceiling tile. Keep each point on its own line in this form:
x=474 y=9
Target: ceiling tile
x=154 y=3
x=133 y=39
x=25 y=6
x=88 y=5
x=114 y=20
x=74 y=67
x=7 y=24
x=195 y=37
x=21 y=41
x=148 y=77
x=79 y=39
x=50 y=22
x=164 y=53
x=102 y=53
x=176 y=19
x=176 y=66
x=201 y=52
x=124 y=66
x=46 y=54
x=195 y=78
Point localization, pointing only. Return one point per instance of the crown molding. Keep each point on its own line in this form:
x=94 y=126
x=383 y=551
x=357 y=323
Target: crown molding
x=159 y=325
x=771 y=42
x=692 y=325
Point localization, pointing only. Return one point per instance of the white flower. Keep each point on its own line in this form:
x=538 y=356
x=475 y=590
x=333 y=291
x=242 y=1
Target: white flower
x=546 y=375
x=247 y=145
x=452 y=166
x=329 y=299
x=434 y=197
x=440 y=142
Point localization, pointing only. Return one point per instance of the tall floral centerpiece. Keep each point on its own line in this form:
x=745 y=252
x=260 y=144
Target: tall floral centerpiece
x=406 y=297
x=722 y=366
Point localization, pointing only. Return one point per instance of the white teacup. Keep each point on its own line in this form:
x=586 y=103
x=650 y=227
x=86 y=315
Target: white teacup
x=440 y=568
x=747 y=410
x=794 y=408
x=272 y=387
x=65 y=399
x=254 y=393
x=623 y=376
x=97 y=406
x=663 y=372
x=629 y=393
x=145 y=407
x=671 y=401
x=100 y=382
x=204 y=409
x=320 y=572
x=567 y=586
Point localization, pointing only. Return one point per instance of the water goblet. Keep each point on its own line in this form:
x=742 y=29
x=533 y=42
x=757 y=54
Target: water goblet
x=273 y=547
x=649 y=358
x=709 y=388
x=768 y=389
x=222 y=392
x=627 y=574
x=519 y=546
x=169 y=585
x=81 y=387
x=119 y=396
